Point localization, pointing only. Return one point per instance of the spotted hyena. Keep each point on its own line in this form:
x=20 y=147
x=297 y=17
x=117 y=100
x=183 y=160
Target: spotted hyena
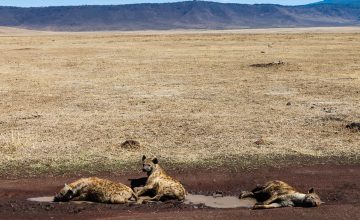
x=96 y=190
x=276 y=194
x=162 y=185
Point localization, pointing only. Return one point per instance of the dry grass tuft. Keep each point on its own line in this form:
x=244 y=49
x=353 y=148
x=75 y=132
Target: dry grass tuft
x=354 y=126
x=267 y=65
x=131 y=145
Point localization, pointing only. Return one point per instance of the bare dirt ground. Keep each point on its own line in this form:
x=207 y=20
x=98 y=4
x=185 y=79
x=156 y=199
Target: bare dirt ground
x=338 y=187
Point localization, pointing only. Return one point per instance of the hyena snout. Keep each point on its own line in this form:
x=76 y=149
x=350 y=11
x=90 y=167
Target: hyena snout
x=312 y=200
x=146 y=168
x=63 y=198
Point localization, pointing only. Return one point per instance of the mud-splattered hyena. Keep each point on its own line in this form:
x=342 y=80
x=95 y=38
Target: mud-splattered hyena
x=96 y=190
x=161 y=184
x=276 y=194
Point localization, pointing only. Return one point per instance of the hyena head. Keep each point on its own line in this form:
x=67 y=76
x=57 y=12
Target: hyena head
x=65 y=194
x=312 y=199
x=149 y=164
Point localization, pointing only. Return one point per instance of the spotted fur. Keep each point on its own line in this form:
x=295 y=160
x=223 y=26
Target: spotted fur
x=162 y=185
x=276 y=194
x=96 y=190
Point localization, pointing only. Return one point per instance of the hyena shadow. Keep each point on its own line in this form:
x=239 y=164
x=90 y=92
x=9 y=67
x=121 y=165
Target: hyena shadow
x=141 y=182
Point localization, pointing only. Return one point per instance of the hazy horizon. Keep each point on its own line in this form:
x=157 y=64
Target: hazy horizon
x=41 y=3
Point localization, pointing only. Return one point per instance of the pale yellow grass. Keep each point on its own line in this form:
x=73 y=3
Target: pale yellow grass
x=70 y=99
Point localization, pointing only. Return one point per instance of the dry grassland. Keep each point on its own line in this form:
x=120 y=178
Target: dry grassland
x=70 y=100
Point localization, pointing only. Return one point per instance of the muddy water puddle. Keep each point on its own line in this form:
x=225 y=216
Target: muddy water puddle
x=223 y=202
x=42 y=199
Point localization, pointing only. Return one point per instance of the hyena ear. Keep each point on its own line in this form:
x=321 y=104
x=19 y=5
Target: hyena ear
x=155 y=160
x=66 y=186
x=312 y=190
x=144 y=157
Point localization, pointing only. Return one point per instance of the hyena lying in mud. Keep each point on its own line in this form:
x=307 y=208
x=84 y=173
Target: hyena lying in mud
x=95 y=190
x=158 y=182
x=276 y=194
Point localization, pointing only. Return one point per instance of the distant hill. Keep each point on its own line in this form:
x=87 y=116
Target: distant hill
x=180 y=15
x=354 y=2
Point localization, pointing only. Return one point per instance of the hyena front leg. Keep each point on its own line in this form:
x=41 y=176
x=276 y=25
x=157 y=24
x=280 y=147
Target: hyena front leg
x=141 y=190
x=137 y=189
x=118 y=200
x=246 y=194
x=270 y=206
x=269 y=200
x=81 y=197
x=142 y=200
